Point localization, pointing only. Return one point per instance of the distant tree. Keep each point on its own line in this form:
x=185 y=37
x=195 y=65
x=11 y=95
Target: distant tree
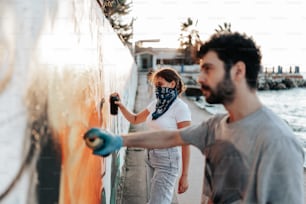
x=225 y=28
x=117 y=12
x=189 y=40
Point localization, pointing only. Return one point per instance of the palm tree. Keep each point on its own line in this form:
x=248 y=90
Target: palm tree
x=117 y=11
x=189 y=39
x=226 y=28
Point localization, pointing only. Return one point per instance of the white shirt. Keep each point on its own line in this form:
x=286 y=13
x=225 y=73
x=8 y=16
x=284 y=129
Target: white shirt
x=177 y=112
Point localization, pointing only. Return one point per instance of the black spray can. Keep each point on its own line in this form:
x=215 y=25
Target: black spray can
x=113 y=106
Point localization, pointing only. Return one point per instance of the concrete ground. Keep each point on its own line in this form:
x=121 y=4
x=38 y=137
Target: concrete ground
x=134 y=185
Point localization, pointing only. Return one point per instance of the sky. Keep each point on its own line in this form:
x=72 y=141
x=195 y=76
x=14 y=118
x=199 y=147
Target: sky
x=277 y=26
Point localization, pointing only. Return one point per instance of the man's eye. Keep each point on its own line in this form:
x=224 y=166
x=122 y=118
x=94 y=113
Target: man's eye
x=207 y=69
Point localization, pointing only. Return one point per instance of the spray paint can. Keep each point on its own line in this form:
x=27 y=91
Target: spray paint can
x=93 y=142
x=113 y=106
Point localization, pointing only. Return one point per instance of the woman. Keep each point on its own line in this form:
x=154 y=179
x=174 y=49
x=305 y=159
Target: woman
x=168 y=111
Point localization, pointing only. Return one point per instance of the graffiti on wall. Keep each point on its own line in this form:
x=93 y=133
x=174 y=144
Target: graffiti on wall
x=58 y=65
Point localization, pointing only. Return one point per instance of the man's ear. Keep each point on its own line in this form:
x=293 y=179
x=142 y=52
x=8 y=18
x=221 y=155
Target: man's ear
x=239 y=70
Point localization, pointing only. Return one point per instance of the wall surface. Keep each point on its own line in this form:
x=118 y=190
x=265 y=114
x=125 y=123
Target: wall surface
x=59 y=62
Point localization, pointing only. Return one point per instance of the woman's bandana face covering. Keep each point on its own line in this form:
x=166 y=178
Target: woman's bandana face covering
x=165 y=97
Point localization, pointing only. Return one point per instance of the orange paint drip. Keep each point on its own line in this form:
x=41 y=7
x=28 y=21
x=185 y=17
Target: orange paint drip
x=81 y=173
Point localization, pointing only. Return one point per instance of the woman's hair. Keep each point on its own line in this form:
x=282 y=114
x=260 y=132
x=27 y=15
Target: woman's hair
x=170 y=74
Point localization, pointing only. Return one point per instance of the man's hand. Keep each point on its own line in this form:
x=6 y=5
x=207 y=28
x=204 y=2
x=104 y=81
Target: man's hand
x=103 y=143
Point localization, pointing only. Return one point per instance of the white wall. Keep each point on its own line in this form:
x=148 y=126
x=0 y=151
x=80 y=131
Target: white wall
x=57 y=60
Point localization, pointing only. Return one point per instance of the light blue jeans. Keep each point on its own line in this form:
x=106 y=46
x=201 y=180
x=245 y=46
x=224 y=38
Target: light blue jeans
x=162 y=172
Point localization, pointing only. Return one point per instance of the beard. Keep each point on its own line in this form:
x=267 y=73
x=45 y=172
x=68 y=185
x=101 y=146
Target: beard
x=224 y=92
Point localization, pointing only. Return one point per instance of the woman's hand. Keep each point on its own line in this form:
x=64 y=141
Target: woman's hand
x=117 y=102
x=183 y=184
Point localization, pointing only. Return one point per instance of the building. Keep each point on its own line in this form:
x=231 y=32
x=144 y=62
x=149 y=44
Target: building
x=149 y=57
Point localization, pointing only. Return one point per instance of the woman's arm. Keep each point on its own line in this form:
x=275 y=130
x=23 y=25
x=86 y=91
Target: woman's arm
x=132 y=117
x=183 y=182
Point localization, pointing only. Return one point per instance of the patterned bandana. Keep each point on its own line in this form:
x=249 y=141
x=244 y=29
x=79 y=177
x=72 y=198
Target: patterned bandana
x=165 y=97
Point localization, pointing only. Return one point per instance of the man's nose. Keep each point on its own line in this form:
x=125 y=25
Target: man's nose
x=201 y=78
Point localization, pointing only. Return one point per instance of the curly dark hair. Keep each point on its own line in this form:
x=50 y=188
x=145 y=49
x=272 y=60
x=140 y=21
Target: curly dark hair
x=234 y=47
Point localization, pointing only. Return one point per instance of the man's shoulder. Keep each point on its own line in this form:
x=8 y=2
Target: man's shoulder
x=276 y=131
x=274 y=125
x=217 y=118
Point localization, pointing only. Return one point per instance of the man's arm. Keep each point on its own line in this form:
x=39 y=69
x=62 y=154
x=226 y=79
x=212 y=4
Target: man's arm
x=153 y=139
x=104 y=143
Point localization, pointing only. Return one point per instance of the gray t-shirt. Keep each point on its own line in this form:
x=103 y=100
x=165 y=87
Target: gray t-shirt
x=255 y=160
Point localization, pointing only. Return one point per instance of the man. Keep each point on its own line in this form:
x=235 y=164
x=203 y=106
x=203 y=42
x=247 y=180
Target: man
x=252 y=156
